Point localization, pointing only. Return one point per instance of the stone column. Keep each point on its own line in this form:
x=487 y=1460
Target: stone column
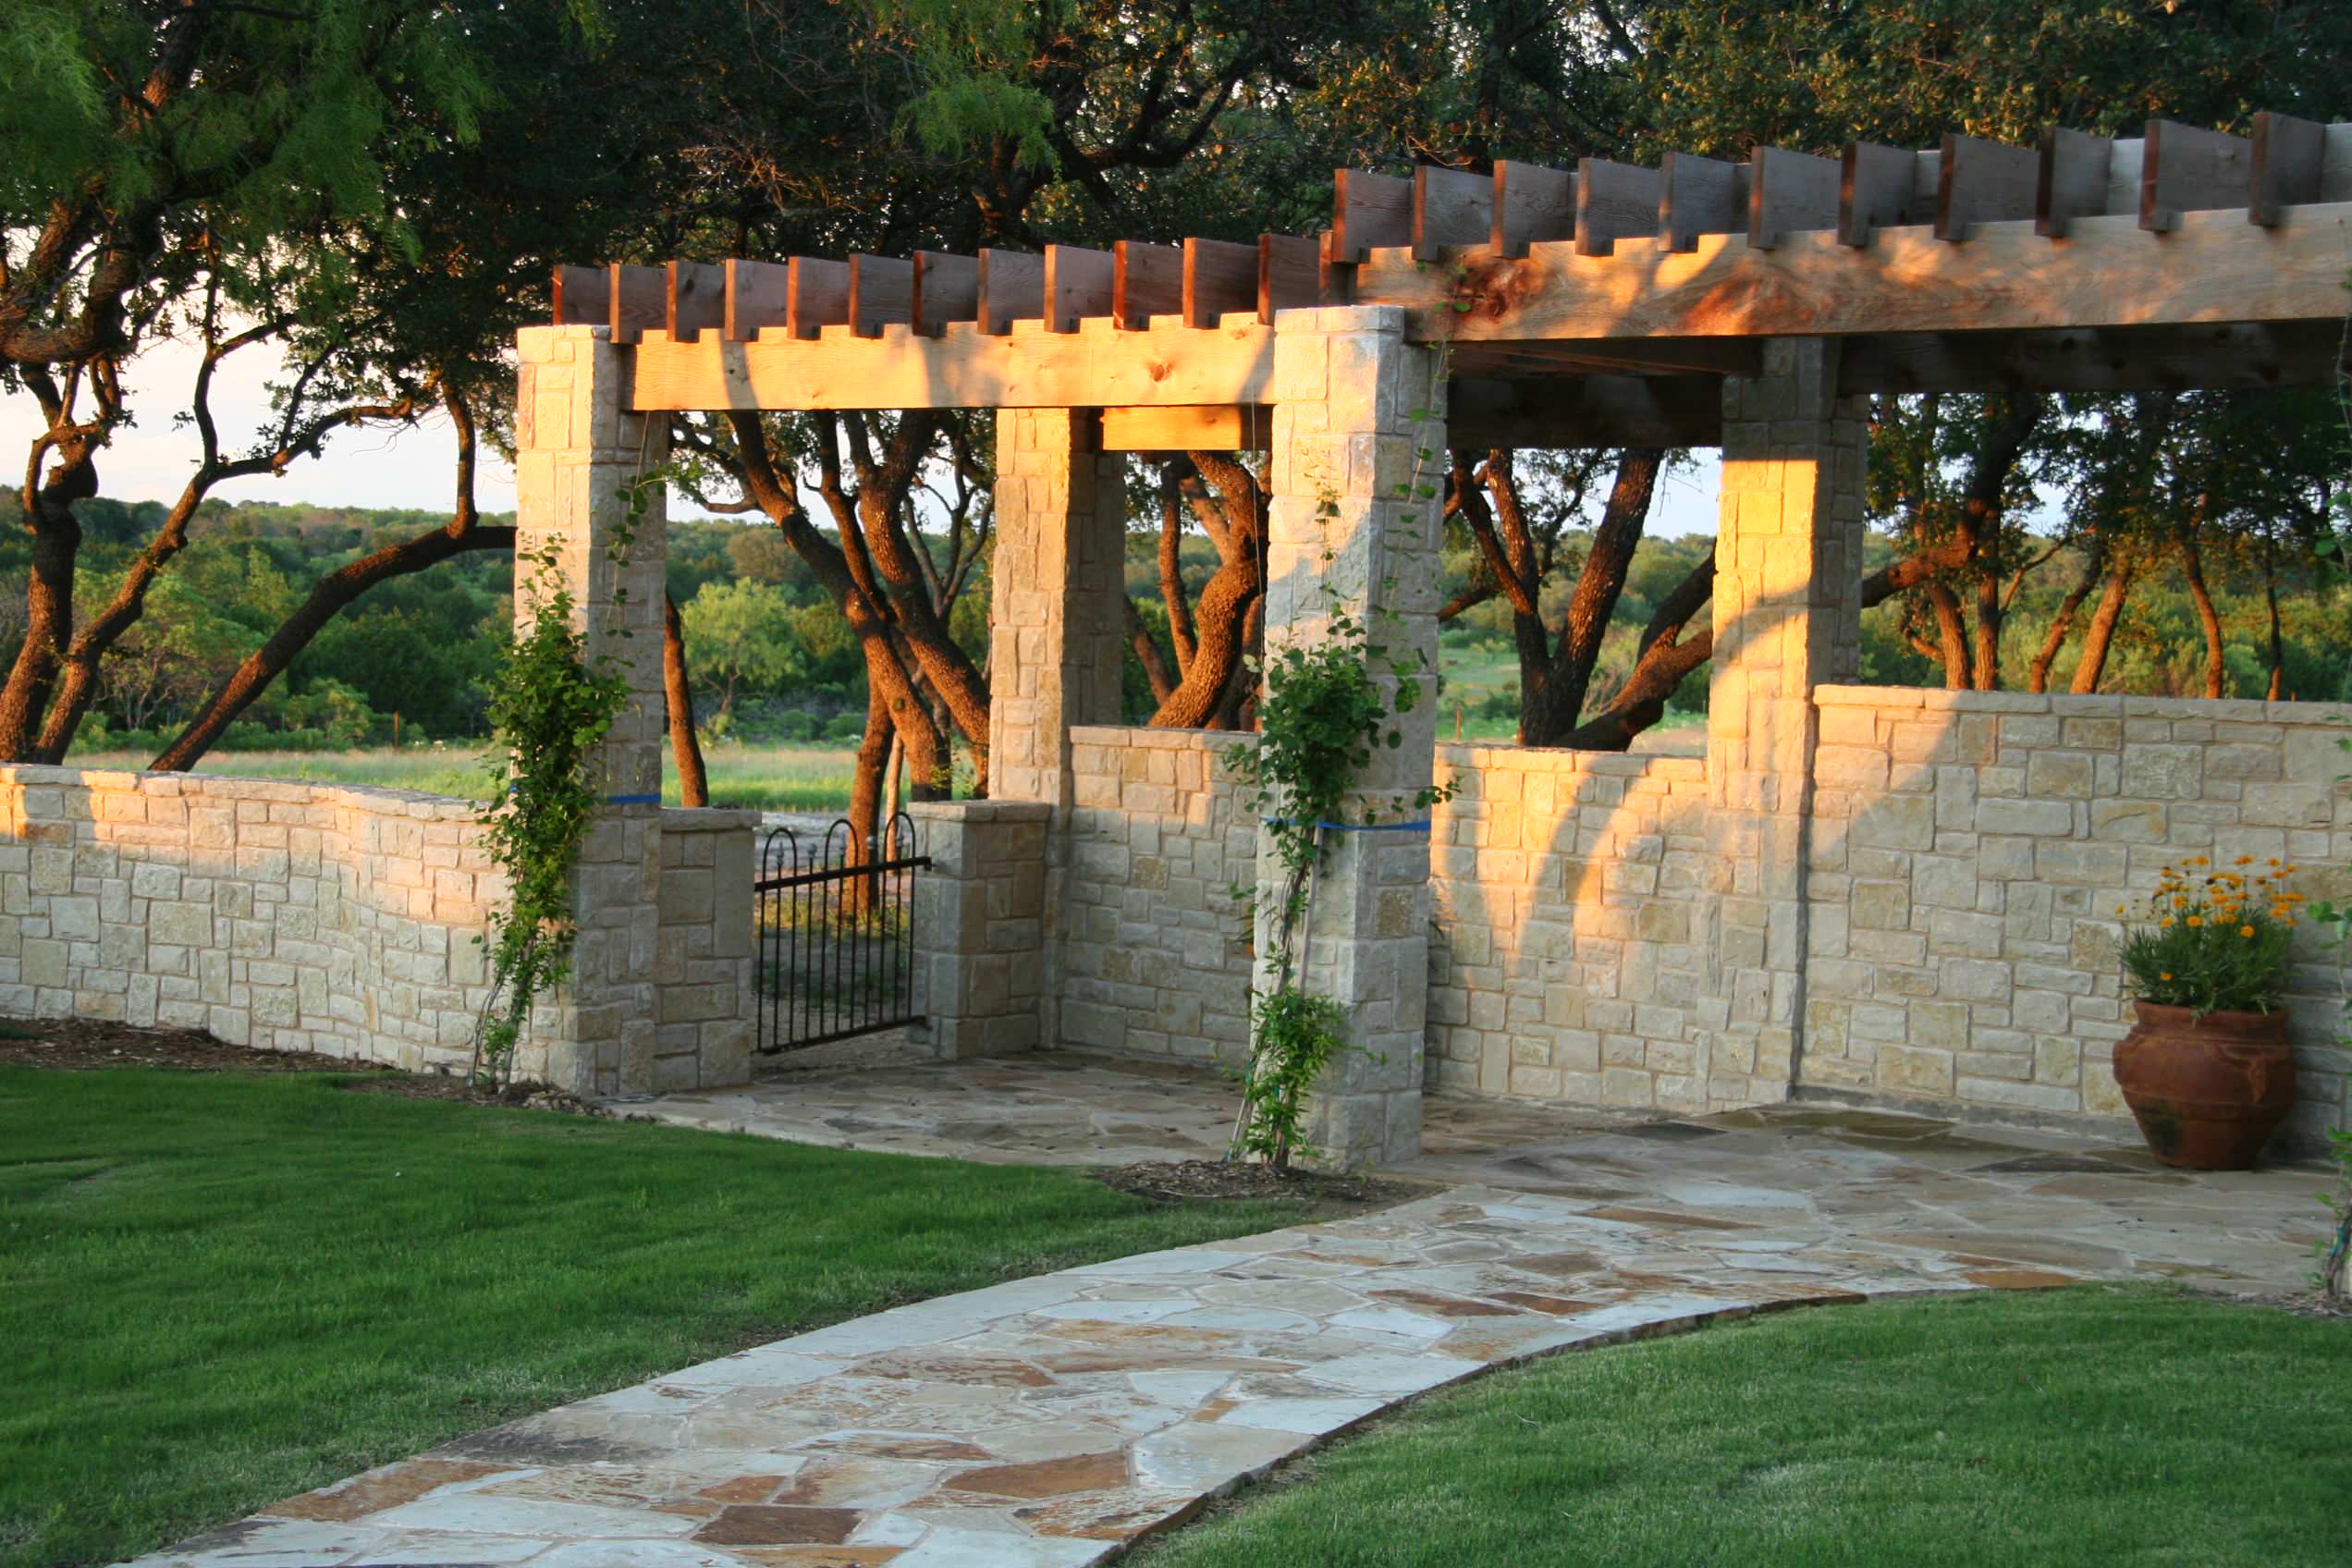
x=1055 y=636
x=979 y=925
x=577 y=449
x=1787 y=614
x=1358 y=430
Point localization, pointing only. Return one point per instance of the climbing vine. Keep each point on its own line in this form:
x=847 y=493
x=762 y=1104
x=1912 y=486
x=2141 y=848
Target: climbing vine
x=1322 y=719
x=551 y=707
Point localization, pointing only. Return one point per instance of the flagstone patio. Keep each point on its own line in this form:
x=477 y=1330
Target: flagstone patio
x=1051 y=1421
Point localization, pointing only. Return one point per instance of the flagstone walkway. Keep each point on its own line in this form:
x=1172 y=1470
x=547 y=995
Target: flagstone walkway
x=1051 y=1421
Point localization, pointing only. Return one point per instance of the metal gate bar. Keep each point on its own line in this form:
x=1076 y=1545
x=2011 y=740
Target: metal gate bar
x=836 y=934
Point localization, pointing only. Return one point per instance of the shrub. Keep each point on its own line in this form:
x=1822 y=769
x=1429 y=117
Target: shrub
x=2217 y=941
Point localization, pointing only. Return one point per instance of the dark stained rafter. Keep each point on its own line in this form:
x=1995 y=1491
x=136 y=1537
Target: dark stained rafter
x=2183 y=257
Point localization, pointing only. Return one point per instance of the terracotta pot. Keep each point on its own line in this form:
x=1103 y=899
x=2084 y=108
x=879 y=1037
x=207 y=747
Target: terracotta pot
x=2207 y=1090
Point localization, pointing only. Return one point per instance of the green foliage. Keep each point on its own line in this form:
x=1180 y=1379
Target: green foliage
x=550 y=712
x=2216 y=940
x=1297 y=1035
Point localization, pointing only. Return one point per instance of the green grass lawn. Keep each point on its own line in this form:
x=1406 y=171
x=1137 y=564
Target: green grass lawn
x=810 y=778
x=2085 y=1426
x=218 y=1290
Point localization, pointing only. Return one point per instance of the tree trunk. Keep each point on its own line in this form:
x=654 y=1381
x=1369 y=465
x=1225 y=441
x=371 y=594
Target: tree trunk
x=1156 y=671
x=693 y=782
x=1952 y=635
x=1666 y=656
x=2099 y=635
x=1551 y=710
x=2277 y=690
x=2193 y=569
x=1171 y=574
x=2094 y=563
x=1222 y=618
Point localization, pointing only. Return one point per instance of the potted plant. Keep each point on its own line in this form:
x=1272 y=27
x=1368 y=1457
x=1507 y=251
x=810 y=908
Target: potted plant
x=2207 y=1072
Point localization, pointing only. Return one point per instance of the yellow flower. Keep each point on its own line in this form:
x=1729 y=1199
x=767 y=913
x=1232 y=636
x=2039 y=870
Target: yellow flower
x=2245 y=930
x=2193 y=860
x=2195 y=921
x=2165 y=924
x=2166 y=975
x=2246 y=859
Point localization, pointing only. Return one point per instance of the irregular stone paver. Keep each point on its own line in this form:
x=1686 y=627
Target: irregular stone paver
x=1048 y=1421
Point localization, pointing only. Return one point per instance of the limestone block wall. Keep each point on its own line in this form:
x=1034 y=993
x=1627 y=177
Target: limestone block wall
x=1968 y=851
x=980 y=924
x=702 y=954
x=1154 y=946
x=1568 y=951
x=290 y=917
x=279 y=915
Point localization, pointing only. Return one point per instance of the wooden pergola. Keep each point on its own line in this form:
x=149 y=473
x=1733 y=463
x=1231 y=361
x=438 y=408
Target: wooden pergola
x=1703 y=302
x=2187 y=258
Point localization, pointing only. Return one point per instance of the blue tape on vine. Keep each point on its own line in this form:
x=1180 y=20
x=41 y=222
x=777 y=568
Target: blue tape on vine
x=1420 y=826
x=632 y=799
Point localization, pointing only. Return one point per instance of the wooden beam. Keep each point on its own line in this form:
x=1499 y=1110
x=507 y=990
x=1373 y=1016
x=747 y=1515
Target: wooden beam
x=1369 y=210
x=758 y=296
x=1290 y=274
x=947 y=287
x=1451 y=207
x=1146 y=281
x=1615 y=201
x=1696 y=356
x=1878 y=187
x=881 y=294
x=2122 y=359
x=2216 y=267
x=2288 y=156
x=696 y=299
x=1220 y=279
x=964 y=367
x=1701 y=196
x=1193 y=427
x=818 y=296
x=1979 y=181
x=1532 y=206
x=1789 y=193
x=2186 y=168
x=1591 y=410
x=640 y=301
x=1078 y=283
x=1011 y=287
x=583 y=297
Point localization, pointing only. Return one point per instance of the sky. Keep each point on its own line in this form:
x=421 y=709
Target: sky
x=374 y=467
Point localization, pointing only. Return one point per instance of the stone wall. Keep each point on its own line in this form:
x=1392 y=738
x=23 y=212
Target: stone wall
x=980 y=926
x=703 y=958
x=1968 y=854
x=1154 y=946
x=279 y=915
x=290 y=917
x=1569 y=957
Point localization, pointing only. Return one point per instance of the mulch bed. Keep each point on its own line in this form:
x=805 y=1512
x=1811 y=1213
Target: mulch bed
x=77 y=1045
x=1213 y=1181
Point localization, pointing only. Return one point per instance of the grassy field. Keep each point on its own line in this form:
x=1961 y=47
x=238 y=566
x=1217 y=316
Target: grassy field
x=805 y=778
x=2085 y=1426
x=217 y=1290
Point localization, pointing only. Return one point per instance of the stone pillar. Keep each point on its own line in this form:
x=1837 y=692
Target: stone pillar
x=1358 y=430
x=1055 y=635
x=1788 y=617
x=979 y=924
x=577 y=450
x=704 y=959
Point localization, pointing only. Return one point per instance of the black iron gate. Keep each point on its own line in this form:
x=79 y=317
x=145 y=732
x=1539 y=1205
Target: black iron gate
x=836 y=934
